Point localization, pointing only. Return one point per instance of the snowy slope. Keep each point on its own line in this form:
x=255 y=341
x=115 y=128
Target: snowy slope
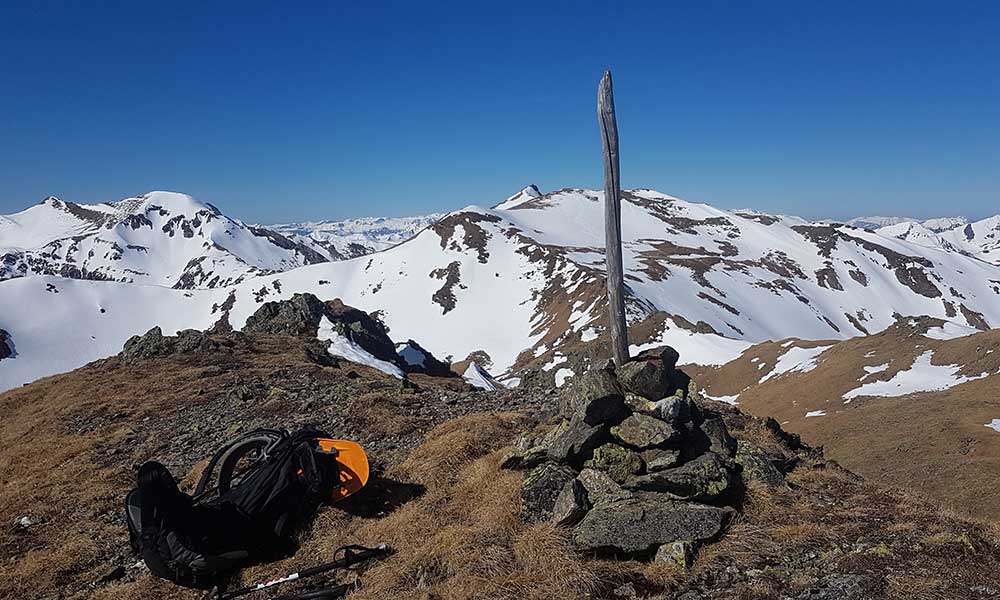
x=979 y=238
x=160 y=238
x=525 y=278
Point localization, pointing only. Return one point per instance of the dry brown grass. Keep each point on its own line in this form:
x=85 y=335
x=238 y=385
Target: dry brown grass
x=463 y=537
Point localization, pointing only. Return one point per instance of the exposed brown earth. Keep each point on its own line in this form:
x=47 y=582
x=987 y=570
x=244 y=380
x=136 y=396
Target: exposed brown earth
x=71 y=443
x=932 y=442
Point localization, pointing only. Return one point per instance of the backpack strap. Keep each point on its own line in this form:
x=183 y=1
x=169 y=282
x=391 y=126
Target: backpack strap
x=230 y=455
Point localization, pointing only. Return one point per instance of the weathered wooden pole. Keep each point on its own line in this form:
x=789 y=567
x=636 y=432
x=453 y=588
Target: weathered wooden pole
x=612 y=220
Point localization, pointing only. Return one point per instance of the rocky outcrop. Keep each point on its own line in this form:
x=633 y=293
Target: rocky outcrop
x=416 y=359
x=302 y=314
x=635 y=466
x=6 y=345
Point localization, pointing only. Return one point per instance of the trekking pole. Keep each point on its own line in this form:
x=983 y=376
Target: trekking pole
x=352 y=555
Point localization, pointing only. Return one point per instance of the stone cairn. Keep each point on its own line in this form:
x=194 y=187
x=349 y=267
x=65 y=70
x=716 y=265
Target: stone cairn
x=635 y=467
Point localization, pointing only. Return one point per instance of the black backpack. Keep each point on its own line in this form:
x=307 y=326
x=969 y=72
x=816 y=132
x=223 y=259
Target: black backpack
x=249 y=516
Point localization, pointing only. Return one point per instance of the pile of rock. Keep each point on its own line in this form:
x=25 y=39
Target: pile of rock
x=635 y=467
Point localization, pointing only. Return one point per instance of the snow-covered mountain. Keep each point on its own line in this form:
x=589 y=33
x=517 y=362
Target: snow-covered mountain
x=524 y=280
x=980 y=238
x=350 y=238
x=936 y=225
x=160 y=238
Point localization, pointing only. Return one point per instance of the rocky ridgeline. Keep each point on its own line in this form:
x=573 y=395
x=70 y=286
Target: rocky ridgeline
x=636 y=466
x=298 y=316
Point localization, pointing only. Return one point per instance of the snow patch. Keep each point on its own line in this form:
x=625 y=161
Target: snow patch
x=562 y=375
x=950 y=331
x=994 y=425
x=347 y=349
x=796 y=359
x=922 y=376
x=477 y=377
x=816 y=413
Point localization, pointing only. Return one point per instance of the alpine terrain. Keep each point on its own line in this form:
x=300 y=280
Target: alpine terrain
x=513 y=284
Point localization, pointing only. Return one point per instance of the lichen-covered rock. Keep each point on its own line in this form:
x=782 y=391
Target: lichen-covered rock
x=639 y=526
x=540 y=488
x=719 y=440
x=678 y=555
x=618 y=462
x=704 y=479
x=299 y=315
x=572 y=439
x=642 y=432
x=673 y=409
x=601 y=489
x=150 y=344
x=647 y=378
x=594 y=398
x=571 y=504
x=524 y=454
x=666 y=354
x=758 y=465
x=659 y=459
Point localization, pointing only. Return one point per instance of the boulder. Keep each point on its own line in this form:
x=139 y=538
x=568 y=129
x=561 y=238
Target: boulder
x=643 y=432
x=595 y=397
x=667 y=355
x=647 y=378
x=640 y=404
x=618 y=462
x=640 y=526
x=525 y=454
x=571 y=504
x=674 y=409
x=540 y=488
x=302 y=314
x=704 y=479
x=758 y=465
x=719 y=440
x=571 y=440
x=416 y=359
x=299 y=315
x=659 y=459
x=150 y=344
x=364 y=330
x=678 y=555
x=601 y=489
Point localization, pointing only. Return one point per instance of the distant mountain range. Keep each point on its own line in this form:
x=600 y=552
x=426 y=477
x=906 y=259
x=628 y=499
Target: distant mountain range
x=173 y=240
x=517 y=284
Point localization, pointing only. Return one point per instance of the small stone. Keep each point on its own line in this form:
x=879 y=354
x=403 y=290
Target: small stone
x=644 y=432
x=679 y=554
x=571 y=504
x=25 y=522
x=540 y=488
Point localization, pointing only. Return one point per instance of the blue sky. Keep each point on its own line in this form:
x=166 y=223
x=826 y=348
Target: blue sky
x=291 y=111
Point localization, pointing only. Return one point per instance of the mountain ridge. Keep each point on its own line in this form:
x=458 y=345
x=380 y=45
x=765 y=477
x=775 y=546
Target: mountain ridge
x=520 y=282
